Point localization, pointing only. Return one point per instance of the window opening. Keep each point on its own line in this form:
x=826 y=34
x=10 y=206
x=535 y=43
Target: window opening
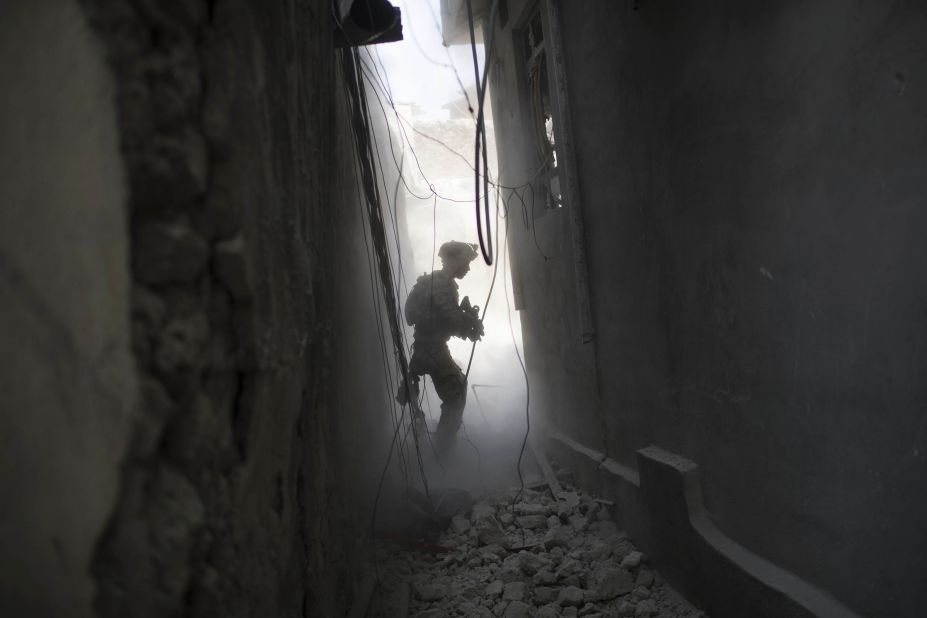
x=543 y=124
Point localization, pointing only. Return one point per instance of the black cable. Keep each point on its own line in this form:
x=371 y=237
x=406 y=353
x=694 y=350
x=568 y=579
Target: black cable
x=480 y=142
x=361 y=122
x=384 y=260
x=524 y=370
x=418 y=163
x=375 y=298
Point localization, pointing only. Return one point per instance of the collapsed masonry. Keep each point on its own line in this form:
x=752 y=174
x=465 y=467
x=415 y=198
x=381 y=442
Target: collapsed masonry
x=535 y=557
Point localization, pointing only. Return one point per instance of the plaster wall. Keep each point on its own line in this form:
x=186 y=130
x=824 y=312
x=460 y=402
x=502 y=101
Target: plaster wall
x=752 y=186
x=67 y=383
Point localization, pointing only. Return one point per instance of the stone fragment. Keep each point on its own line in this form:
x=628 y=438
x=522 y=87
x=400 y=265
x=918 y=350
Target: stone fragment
x=531 y=522
x=632 y=560
x=460 y=524
x=608 y=582
x=569 y=567
x=570 y=596
x=531 y=508
x=589 y=610
x=531 y=563
x=568 y=498
x=548 y=611
x=517 y=609
x=605 y=530
x=514 y=591
x=626 y=608
x=492 y=535
x=430 y=592
x=543 y=595
x=545 y=577
x=596 y=551
x=644 y=578
x=506 y=519
x=640 y=593
x=167 y=253
x=646 y=608
x=510 y=574
x=558 y=537
x=578 y=522
x=494 y=589
x=482 y=511
x=490 y=556
x=553 y=521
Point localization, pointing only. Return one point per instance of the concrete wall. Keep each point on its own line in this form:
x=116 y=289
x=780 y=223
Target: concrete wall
x=752 y=186
x=67 y=383
x=180 y=419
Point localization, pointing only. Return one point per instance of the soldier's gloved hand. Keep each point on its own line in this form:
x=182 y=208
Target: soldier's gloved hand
x=476 y=331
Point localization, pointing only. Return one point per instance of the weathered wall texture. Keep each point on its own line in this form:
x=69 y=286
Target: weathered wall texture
x=206 y=470
x=753 y=189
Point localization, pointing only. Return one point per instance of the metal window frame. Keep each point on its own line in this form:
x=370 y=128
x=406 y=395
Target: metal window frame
x=550 y=11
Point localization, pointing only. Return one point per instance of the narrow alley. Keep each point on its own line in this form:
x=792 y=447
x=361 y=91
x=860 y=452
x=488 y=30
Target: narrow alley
x=425 y=308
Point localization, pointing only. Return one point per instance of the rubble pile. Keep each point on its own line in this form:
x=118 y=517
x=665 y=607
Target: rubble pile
x=531 y=555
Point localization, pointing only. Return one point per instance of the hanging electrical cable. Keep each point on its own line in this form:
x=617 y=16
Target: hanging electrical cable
x=360 y=120
x=481 y=147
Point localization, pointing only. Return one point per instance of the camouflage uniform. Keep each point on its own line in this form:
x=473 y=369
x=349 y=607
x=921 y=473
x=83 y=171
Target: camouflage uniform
x=434 y=308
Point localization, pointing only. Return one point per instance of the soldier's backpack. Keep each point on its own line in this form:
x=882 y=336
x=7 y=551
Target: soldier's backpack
x=417 y=302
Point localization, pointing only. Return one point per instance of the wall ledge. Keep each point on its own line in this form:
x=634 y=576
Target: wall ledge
x=660 y=505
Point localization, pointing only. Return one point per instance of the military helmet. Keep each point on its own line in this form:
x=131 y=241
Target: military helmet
x=456 y=250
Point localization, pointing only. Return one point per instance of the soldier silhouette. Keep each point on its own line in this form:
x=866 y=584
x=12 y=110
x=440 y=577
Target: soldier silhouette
x=434 y=309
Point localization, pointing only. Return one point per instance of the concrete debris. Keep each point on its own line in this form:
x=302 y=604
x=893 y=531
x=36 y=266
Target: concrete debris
x=517 y=609
x=570 y=595
x=460 y=524
x=558 y=537
x=606 y=583
x=430 y=592
x=514 y=591
x=532 y=522
x=632 y=560
x=540 y=559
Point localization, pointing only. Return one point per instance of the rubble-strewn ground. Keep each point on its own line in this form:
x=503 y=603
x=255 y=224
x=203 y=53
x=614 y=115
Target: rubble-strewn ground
x=545 y=558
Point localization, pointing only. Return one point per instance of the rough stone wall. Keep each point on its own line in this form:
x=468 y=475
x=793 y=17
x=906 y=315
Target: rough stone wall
x=183 y=228
x=752 y=212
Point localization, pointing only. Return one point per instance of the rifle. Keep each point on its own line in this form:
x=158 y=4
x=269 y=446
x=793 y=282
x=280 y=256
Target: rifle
x=473 y=313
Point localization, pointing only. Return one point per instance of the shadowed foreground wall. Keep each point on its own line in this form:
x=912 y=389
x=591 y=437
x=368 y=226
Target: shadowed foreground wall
x=177 y=230
x=67 y=384
x=753 y=191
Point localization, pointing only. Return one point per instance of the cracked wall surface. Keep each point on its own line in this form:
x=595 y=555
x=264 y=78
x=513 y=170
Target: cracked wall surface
x=185 y=227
